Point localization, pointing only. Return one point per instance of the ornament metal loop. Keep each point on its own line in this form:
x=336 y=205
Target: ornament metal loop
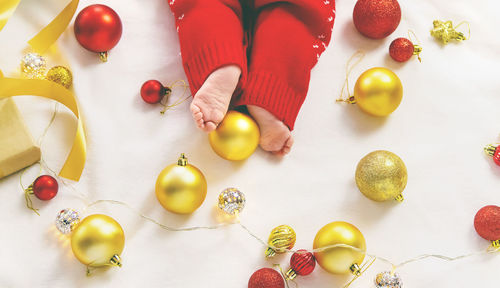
x=399 y=198
x=290 y=274
x=495 y=244
x=182 y=160
x=490 y=149
x=103 y=56
x=115 y=261
x=355 y=269
x=417 y=49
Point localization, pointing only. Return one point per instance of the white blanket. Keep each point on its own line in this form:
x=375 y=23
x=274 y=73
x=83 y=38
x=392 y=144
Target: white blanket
x=450 y=109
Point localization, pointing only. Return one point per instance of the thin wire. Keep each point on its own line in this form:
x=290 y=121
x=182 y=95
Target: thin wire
x=349 y=99
x=180 y=100
x=411 y=32
x=468 y=26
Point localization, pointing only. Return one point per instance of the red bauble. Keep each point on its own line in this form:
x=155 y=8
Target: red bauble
x=45 y=187
x=487 y=222
x=302 y=262
x=266 y=278
x=401 y=49
x=152 y=91
x=496 y=156
x=376 y=18
x=98 y=28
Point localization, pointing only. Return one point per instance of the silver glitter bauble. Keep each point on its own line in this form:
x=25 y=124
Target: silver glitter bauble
x=231 y=201
x=33 y=66
x=388 y=280
x=66 y=220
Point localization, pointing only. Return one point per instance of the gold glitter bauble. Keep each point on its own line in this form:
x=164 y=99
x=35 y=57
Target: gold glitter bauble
x=181 y=187
x=381 y=176
x=236 y=137
x=378 y=91
x=340 y=260
x=281 y=238
x=98 y=241
x=60 y=75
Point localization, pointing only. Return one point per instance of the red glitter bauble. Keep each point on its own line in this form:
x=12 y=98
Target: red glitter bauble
x=152 y=91
x=496 y=156
x=98 y=28
x=487 y=222
x=45 y=187
x=266 y=278
x=302 y=262
x=401 y=49
x=376 y=19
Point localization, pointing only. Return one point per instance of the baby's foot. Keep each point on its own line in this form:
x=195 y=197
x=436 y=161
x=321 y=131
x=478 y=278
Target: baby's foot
x=275 y=136
x=210 y=103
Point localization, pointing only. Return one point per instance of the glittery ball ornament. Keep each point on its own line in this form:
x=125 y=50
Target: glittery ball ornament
x=231 y=201
x=66 y=220
x=376 y=19
x=301 y=263
x=281 y=238
x=339 y=259
x=378 y=91
x=487 y=223
x=60 y=75
x=266 y=278
x=388 y=280
x=493 y=150
x=33 y=66
x=402 y=49
x=381 y=175
x=236 y=137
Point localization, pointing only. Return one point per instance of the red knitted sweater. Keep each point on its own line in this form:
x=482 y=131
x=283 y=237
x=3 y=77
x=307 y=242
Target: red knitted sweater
x=275 y=43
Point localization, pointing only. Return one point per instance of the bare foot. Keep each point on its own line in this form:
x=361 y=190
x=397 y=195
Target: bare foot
x=275 y=136
x=210 y=103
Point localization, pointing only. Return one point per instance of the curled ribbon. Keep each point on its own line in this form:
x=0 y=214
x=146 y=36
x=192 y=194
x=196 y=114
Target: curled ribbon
x=75 y=162
x=73 y=167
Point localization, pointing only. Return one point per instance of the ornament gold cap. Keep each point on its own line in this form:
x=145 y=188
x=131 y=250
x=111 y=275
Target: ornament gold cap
x=495 y=244
x=182 y=160
x=103 y=56
x=355 y=269
x=115 y=261
x=270 y=252
x=417 y=49
x=490 y=149
x=290 y=274
x=399 y=198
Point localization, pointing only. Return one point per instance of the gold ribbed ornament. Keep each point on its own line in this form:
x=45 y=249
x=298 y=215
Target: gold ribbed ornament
x=281 y=239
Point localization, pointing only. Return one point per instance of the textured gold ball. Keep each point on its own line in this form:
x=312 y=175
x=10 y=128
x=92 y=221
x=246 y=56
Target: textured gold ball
x=236 y=137
x=181 y=188
x=381 y=176
x=378 y=91
x=281 y=238
x=60 y=75
x=98 y=241
x=339 y=260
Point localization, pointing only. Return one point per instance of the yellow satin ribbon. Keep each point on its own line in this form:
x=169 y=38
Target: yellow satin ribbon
x=9 y=87
x=7 y=8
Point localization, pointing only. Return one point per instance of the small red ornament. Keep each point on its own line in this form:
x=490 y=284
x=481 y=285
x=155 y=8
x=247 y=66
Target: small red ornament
x=98 y=28
x=376 y=19
x=487 y=223
x=152 y=91
x=301 y=263
x=266 y=278
x=402 y=49
x=493 y=150
x=45 y=187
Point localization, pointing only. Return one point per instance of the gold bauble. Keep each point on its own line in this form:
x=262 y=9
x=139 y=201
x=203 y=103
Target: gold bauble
x=340 y=260
x=378 y=91
x=60 y=75
x=381 y=176
x=236 y=137
x=181 y=188
x=281 y=238
x=98 y=241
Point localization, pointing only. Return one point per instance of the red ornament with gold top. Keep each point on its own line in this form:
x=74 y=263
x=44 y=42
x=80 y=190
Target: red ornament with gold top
x=487 y=224
x=402 y=49
x=266 y=278
x=301 y=263
x=493 y=150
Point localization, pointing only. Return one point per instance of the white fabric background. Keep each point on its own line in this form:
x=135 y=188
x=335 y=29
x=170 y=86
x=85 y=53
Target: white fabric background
x=449 y=111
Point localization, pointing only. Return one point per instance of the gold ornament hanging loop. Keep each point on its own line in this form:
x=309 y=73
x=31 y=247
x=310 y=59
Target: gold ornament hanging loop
x=350 y=98
x=417 y=49
x=168 y=92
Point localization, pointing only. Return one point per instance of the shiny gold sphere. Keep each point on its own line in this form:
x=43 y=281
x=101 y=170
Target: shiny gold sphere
x=281 y=238
x=339 y=260
x=98 y=241
x=381 y=176
x=236 y=137
x=181 y=188
x=60 y=75
x=378 y=91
